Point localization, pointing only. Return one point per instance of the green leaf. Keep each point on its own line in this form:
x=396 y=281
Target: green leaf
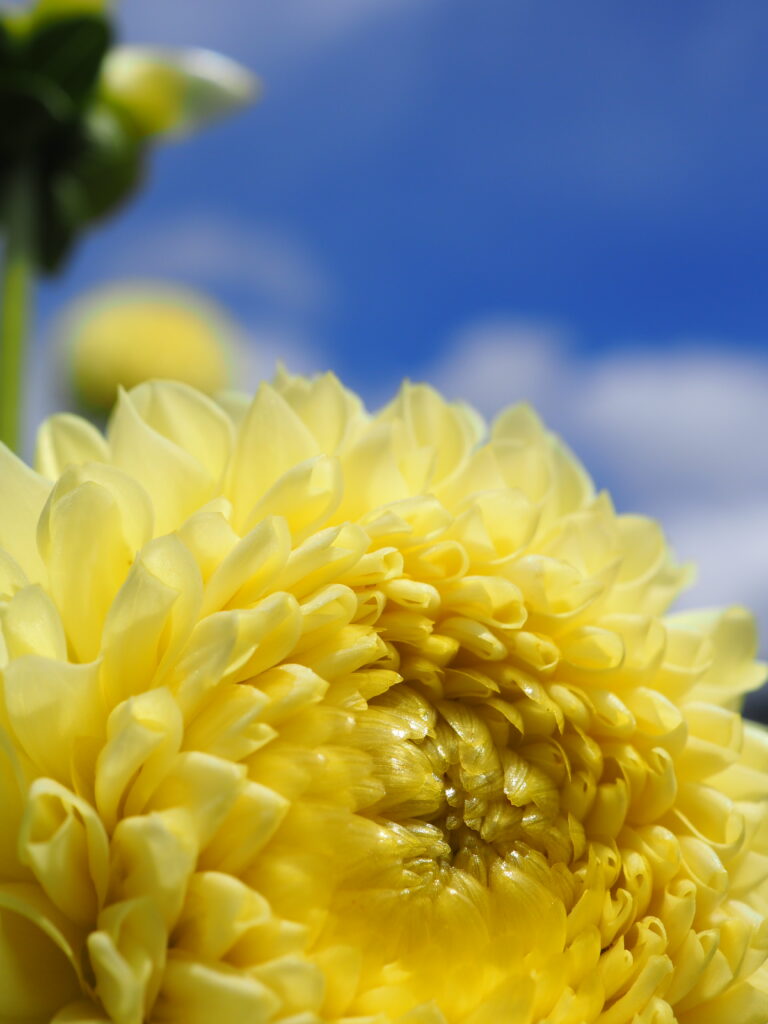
x=69 y=51
x=6 y=45
x=32 y=109
x=109 y=163
x=99 y=173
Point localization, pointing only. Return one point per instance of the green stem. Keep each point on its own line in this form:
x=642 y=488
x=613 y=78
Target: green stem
x=15 y=298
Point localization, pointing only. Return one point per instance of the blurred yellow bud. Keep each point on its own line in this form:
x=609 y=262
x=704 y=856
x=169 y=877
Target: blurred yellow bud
x=123 y=335
x=174 y=91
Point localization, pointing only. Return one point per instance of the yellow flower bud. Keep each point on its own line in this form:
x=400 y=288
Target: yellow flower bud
x=124 y=335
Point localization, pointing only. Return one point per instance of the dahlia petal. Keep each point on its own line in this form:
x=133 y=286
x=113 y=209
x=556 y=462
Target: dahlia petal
x=95 y=520
x=12 y=576
x=64 y=843
x=341 y=967
x=710 y=816
x=156 y=601
x=80 y=1013
x=574 y=1007
x=219 y=910
x=153 y=856
x=298 y=984
x=514 y=1002
x=67 y=440
x=31 y=624
x=323 y=558
x=208 y=536
x=591 y=649
x=272 y=440
x=251 y=822
x=329 y=410
x=45 y=698
x=143 y=735
x=23 y=947
x=741 y=1003
x=228 y=725
x=189 y=419
x=734 y=643
x=24 y=495
x=329 y=609
x=195 y=993
x=176 y=481
x=749 y=873
x=13 y=788
x=427 y=415
x=372 y=459
x=128 y=955
x=231 y=646
x=693 y=959
x=652 y=975
x=715 y=741
x=202 y=788
x=305 y=496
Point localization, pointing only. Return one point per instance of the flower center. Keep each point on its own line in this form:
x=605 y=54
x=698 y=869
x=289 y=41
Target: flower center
x=470 y=786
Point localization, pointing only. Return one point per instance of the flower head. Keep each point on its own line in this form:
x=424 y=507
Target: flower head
x=125 y=334
x=309 y=715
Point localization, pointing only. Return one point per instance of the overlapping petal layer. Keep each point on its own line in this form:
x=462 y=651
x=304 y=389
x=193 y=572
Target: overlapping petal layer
x=309 y=715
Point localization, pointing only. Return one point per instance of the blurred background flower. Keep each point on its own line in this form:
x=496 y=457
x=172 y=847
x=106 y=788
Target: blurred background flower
x=174 y=92
x=565 y=204
x=126 y=334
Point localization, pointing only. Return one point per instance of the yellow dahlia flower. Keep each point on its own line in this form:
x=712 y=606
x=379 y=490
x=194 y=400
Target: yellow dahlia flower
x=125 y=334
x=310 y=715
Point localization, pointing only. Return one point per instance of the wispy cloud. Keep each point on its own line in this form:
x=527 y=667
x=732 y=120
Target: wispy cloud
x=275 y=32
x=674 y=432
x=208 y=250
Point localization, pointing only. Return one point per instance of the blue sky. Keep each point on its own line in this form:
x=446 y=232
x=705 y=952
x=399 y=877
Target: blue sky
x=598 y=164
x=513 y=198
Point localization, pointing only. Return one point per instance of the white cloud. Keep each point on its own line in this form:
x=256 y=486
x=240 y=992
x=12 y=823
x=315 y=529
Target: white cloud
x=676 y=432
x=276 y=32
x=207 y=249
x=683 y=418
x=500 y=361
x=730 y=544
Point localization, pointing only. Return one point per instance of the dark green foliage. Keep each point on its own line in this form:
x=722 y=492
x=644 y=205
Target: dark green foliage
x=84 y=157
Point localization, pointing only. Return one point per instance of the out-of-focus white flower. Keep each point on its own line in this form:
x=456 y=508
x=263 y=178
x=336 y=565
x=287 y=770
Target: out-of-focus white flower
x=174 y=92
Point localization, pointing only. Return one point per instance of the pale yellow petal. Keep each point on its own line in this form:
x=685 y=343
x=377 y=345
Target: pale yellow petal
x=177 y=482
x=272 y=440
x=46 y=699
x=31 y=624
x=67 y=440
x=24 y=495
